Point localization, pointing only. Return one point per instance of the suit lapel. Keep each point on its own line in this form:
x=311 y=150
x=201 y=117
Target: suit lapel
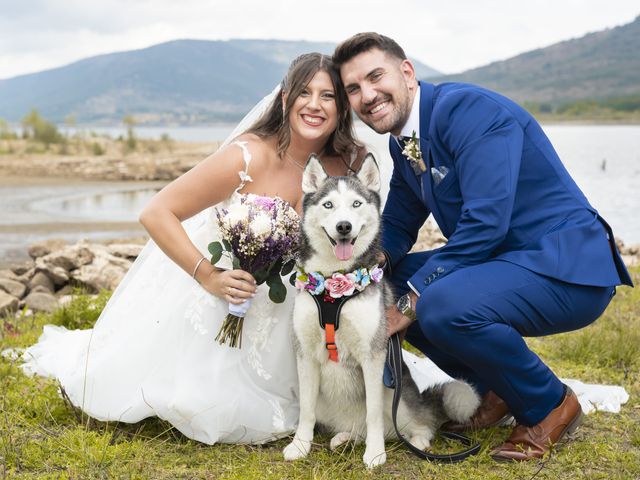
x=426 y=107
x=403 y=164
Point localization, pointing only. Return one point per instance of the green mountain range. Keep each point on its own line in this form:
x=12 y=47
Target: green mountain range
x=596 y=67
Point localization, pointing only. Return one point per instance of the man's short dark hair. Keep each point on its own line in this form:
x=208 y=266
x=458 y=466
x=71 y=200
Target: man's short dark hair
x=363 y=42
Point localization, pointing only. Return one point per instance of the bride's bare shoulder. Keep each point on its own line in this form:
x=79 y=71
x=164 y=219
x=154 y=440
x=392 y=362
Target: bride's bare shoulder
x=255 y=143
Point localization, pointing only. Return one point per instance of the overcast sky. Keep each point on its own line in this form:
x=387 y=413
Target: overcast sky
x=450 y=36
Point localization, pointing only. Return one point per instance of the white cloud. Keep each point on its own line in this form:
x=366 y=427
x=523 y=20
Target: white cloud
x=449 y=36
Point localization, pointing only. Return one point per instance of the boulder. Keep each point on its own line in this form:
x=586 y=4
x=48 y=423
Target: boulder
x=12 y=287
x=40 y=288
x=8 y=303
x=7 y=273
x=41 y=302
x=70 y=257
x=58 y=275
x=41 y=280
x=22 y=269
x=41 y=249
x=125 y=250
x=105 y=272
x=28 y=275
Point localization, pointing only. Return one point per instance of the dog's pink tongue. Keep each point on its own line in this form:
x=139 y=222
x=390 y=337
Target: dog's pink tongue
x=343 y=250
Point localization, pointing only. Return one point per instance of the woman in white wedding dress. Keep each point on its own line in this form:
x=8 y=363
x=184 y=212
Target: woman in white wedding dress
x=152 y=351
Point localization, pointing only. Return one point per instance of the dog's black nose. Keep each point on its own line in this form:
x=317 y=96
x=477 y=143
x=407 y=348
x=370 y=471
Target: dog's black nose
x=343 y=228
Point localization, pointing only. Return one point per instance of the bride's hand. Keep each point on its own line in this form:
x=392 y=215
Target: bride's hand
x=234 y=286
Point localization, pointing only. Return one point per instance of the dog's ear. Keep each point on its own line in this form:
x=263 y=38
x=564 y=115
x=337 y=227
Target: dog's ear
x=369 y=173
x=313 y=175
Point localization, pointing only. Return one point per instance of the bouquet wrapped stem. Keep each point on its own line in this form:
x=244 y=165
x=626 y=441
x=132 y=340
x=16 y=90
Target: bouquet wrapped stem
x=230 y=332
x=259 y=234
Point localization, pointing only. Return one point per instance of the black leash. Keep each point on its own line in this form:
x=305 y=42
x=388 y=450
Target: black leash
x=394 y=359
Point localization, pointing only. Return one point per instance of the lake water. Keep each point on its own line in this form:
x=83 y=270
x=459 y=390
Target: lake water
x=604 y=161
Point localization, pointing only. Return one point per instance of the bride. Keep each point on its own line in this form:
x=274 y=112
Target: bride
x=152 y=351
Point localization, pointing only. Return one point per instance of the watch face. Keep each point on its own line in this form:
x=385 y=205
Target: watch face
x=403 y=303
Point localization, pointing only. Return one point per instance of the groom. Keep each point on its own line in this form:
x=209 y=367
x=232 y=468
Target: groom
x=527 y=255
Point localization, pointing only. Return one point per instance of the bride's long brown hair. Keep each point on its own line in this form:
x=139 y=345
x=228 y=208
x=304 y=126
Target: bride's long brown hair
x=275 y=121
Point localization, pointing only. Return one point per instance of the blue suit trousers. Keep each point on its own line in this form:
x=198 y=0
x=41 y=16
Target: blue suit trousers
x=471 y=323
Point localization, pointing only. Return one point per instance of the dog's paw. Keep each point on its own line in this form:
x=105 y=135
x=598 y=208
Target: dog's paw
x=296 y=449
x=373 y=457
x=339 y=439
x=420 y=441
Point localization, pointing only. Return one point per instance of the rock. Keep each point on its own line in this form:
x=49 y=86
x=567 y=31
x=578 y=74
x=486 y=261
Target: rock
x=41 y=289
x=105 y=272
x=41 y=249
x=22 y=269
x=41 y=280
x=58 y=275
x=41 y=302
x=125 y=250
x=70 y=257
x=28 y=275
x=8 y=303
x=66 y=290
x=12 y=287
x=6 y=273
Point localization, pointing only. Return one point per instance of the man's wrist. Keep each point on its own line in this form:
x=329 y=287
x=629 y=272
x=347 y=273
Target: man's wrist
x=406 y=305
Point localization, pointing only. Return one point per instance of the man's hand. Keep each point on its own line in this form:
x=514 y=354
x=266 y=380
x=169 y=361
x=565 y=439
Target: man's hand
x=396 y=321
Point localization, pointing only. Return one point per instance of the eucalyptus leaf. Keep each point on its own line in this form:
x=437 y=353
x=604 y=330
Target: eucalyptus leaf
x=227 y=245
x=277 y=292
x=215 y=248
x=260 y=276
x=236 y=263
x=287 y=268
x=292 y=280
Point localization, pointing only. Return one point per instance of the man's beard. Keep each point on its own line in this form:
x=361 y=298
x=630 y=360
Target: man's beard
x=393 y=121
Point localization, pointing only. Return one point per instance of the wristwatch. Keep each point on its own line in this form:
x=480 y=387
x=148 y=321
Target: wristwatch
x=404 y=306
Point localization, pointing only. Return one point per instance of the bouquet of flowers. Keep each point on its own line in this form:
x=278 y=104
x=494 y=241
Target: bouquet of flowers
x=260 y=235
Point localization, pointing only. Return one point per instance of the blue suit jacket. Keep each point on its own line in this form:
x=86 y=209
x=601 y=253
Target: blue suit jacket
x=506 y=196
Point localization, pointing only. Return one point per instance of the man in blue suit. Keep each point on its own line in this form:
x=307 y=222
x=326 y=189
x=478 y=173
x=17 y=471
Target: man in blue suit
x=527 y=255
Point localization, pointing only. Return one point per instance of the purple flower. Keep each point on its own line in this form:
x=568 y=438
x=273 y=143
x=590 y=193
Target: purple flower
x=265 y=203
x=376 y=274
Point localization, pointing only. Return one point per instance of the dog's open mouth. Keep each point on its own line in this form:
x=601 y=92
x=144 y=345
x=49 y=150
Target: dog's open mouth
x=342 y=248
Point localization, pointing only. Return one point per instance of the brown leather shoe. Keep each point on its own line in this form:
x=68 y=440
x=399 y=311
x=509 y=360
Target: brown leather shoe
x=491 y=412
x=531 y=443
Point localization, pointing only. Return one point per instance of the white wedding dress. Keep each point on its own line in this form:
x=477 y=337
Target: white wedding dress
x=152 y=353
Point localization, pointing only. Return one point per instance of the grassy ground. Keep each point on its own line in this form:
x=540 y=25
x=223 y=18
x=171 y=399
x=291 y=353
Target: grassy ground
x=42 y=437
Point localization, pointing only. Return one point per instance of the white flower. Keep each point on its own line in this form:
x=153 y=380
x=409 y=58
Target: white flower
x=261 y=225
x=236 y=213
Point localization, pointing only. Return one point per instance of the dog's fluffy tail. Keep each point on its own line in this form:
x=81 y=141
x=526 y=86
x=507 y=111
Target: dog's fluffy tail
x=458 y=399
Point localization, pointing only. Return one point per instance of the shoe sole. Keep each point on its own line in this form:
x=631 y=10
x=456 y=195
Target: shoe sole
x=571 y=428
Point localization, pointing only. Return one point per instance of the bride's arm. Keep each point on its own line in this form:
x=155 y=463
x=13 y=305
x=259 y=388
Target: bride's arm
x=208 y=183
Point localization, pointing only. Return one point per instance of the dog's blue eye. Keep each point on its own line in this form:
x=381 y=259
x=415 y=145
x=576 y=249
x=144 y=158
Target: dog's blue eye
x=327 y=205
x=357 y=203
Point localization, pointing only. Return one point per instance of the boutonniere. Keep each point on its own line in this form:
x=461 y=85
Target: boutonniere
x=414 y=154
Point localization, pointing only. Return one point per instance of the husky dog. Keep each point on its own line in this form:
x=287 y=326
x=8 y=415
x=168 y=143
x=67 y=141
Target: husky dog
x=340 y=232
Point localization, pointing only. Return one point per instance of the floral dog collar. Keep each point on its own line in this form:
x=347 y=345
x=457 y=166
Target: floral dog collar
x=339 y=284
